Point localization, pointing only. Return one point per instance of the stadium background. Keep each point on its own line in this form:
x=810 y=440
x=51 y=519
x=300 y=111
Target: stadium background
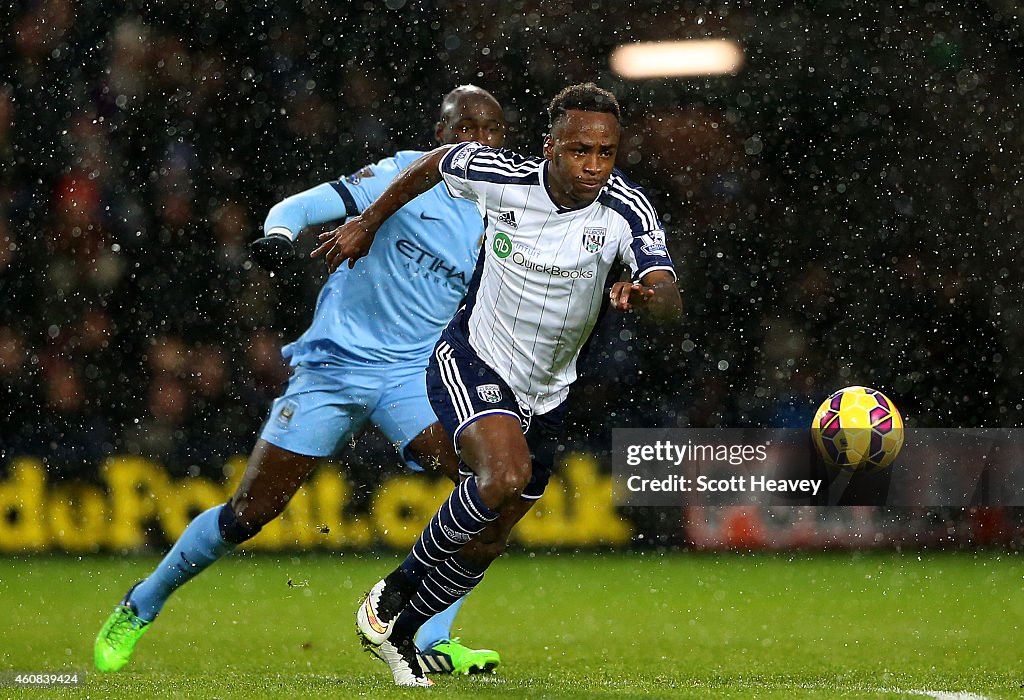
x=845 y=209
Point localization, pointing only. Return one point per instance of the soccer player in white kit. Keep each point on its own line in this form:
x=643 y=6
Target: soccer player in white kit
x=500 y=375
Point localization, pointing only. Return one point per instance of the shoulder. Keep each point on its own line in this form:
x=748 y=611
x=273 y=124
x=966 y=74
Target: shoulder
x=629 y=200
x=382 y=170
x=389 y=166
x=473 y=161
x=405 y=158
x=506 y=158
x=392 y=165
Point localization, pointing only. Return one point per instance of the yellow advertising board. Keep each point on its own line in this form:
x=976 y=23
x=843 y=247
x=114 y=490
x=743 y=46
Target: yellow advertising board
x=135 y=495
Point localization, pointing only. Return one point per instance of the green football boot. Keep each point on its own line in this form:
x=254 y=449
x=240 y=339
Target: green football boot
x=451 y=656
x=116 y=641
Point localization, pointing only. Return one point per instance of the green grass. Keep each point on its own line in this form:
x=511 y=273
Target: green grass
x=569 y=625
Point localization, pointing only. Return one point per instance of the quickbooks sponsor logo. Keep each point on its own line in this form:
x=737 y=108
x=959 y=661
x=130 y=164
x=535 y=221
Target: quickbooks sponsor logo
x=553 y=270
x=502 y=245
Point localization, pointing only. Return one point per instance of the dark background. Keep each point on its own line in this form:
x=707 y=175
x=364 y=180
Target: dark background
x=846 y=209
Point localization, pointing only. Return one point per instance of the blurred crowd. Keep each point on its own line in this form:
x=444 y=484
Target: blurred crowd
x=842 y=211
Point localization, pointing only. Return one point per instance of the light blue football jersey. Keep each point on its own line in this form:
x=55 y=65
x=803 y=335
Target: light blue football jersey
x=394 y=304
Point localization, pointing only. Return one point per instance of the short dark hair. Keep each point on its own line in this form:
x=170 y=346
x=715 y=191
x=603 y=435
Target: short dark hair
x=587 y=97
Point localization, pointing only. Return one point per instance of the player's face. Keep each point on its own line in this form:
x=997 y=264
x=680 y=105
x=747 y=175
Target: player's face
x=473 y=118
x=581 y=149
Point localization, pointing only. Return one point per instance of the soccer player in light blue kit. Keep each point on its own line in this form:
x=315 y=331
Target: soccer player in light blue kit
x=362 y=359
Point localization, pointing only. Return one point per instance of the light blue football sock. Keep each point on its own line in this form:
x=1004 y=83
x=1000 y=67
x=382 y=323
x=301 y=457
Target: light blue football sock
x=199 y=546
x=438 y=627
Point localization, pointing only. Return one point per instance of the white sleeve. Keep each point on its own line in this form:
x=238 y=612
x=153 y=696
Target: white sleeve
x=645 y=251
x=455 y=171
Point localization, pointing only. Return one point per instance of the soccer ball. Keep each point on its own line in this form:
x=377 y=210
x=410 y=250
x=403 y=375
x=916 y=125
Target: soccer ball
x=858 y=430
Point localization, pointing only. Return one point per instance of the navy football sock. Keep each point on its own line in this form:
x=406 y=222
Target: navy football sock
x=438 y=627
x=463 y=515
x=447 y=583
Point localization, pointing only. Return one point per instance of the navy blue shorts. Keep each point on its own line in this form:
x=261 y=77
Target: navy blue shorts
x=462 y=389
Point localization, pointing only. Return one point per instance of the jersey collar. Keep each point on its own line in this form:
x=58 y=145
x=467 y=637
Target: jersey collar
x=558 y=207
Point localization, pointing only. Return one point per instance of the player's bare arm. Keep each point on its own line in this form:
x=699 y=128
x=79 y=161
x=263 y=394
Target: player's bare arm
x=352 y=240
x=656 y=296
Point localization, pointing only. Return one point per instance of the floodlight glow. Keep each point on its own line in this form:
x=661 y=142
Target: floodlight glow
x=675 y=59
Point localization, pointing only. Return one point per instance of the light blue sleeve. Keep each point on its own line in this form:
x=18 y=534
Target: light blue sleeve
x=318 y=205
x=339 y=199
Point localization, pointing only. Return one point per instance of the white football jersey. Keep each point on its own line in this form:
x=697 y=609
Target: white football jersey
x=542 y=278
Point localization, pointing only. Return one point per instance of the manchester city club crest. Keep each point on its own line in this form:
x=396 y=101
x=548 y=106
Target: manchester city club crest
x=593 y=238
x=491 y=393
x=284 y=416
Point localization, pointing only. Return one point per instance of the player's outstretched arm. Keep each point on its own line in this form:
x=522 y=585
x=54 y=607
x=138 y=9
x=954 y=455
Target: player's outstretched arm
x=288 y=218
x=352 y=240
x=657 y=297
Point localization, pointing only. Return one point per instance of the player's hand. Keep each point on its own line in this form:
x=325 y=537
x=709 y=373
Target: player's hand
x=350 y=241
x=626 y=296
x=272 y=252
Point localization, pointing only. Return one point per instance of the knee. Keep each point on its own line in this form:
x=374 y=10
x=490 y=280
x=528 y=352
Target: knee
x=507 y=480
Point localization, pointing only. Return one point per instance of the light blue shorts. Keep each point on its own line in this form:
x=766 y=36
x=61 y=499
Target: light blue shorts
x=325 y=405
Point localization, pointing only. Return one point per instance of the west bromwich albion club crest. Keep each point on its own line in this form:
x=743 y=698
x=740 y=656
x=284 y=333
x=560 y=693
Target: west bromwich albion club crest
x=593 y=238
x=491 y=393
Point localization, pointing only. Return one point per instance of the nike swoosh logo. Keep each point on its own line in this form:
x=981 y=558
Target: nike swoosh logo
x=425 y=217
x=372 y=619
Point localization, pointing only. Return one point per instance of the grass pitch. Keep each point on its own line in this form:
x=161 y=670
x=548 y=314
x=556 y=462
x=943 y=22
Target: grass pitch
x=567 y=625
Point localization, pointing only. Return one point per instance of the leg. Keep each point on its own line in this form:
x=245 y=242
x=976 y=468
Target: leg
x=489 y=432
x=443 y=654
x=495 y=449
x=433 y=448
x=465 y=569
x=461 y=572
x=318 y=412
x=405 y=416
x=491 y=543
x=446 y=584
x=271 y=478
x=482 y=415
x=438 y=651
